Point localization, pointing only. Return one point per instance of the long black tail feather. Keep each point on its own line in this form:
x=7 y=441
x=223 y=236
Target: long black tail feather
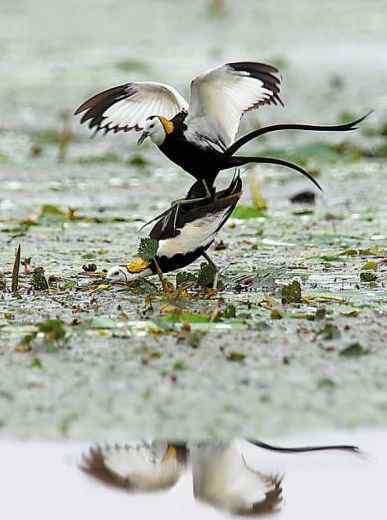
x=304 y=449
x=270 y=160
x=273 y=128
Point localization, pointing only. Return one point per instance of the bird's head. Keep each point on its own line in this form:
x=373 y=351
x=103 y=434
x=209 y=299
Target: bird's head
x=156 y=127
x=137 y=268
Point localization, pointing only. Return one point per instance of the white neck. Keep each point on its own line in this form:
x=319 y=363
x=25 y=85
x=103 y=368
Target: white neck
x=158 y=136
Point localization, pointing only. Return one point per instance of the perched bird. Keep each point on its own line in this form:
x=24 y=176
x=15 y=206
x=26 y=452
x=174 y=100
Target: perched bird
x=199 y=137
x=184 y=238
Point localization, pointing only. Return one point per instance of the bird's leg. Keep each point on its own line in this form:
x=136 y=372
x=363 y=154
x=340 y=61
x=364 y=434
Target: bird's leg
x=207 y=196
x=214 y=267
x=175 y=206
x=161 y=276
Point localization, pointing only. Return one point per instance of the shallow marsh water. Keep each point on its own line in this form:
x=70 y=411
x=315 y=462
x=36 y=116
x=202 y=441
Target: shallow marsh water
x=120 y=371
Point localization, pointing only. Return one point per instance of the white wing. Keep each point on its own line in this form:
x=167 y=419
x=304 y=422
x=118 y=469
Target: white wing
x=222 y=95
x=140 y=467
x=222 y=478
x=126 y=107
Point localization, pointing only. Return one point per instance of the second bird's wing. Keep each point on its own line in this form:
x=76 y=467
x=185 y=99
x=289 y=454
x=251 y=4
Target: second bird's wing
x=222 y=95
x=126 y=107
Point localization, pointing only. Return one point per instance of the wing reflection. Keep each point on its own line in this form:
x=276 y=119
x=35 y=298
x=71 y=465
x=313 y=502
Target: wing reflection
x=221 y=476
x=146 y=467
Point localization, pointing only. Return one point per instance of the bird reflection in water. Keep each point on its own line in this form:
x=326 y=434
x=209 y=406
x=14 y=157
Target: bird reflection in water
x=221 y=475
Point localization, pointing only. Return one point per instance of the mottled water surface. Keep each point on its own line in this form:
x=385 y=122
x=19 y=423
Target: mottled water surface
x=243 y=361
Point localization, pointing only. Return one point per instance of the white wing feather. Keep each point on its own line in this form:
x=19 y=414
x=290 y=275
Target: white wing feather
x=222 y=95
x=141 y=467
x=126 y=107
x=222 y=478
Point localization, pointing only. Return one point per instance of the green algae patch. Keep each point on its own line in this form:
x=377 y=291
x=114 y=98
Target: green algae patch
x=368 y=276
x=291 y=293
x=329 y=332
x=244 y=212
x=355 y=349
x=147 y=249
x=370 y=265
x=235 y=356
x=38 y=279
x=186 y=317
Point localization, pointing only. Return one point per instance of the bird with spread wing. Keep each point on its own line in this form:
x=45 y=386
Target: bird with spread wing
x=200 y=136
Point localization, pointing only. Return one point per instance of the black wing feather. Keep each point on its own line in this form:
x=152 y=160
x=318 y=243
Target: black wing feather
x=228 y=198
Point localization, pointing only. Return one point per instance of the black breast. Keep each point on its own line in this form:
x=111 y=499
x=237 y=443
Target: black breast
x=202 y=162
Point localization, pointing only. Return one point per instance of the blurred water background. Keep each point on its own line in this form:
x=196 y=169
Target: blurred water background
x=333 y=55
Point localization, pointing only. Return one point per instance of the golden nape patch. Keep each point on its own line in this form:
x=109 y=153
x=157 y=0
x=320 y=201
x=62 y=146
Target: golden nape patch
x=167 y=124
x=137 y=265
x=169 y=454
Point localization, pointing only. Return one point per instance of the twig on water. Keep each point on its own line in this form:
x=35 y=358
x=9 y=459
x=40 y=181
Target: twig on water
x=65 y=138
x=15 y=271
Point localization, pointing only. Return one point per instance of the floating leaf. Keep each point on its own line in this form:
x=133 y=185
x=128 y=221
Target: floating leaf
x=329 y=332
x=195 y=338
x=276 y=314
x=244 y=212
x=189 y=317
x=350 y=314
x=47 y=214
x=371 y=265
x=53 y=330
x=147 y=249
x=38 y=280
x=25 y=344
x=229 y=311
x=291 y=293
x=36 y=363
x=185 y=279
x=138 y=161
x=354 y=350
x=303 y=211
x=326 y=382
x=179 y=365
x=368 y=276
x=206 y=275
x=235 y=356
